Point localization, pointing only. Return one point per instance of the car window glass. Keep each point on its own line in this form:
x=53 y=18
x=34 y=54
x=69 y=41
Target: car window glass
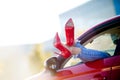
x=103 y=43
x=72 y=61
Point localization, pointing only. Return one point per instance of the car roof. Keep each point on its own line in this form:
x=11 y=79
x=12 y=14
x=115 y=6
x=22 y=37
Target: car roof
x=111 y=25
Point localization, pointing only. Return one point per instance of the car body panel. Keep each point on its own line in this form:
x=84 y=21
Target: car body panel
x=96 y=70
x=115 y=75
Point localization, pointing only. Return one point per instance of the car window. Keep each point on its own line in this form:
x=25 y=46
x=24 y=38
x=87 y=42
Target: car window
x=103 y=42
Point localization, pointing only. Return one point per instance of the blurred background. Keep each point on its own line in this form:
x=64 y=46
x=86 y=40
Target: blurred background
x=27 y=29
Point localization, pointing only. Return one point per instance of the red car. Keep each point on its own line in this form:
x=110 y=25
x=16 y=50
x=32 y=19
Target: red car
x=100 y=37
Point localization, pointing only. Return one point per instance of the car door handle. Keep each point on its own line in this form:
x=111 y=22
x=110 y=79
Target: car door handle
x=104 y=78
x=99 y=77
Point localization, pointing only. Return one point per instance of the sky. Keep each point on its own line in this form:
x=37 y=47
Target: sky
x=31 y=21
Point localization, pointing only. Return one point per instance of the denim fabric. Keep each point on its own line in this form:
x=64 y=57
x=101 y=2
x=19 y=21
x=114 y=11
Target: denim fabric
x=90 y=54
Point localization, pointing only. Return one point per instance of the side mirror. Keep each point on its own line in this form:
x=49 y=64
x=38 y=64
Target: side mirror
x=54 y=63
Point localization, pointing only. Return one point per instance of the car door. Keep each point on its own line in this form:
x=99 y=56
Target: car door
x=115 y=75
x=95 y=70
